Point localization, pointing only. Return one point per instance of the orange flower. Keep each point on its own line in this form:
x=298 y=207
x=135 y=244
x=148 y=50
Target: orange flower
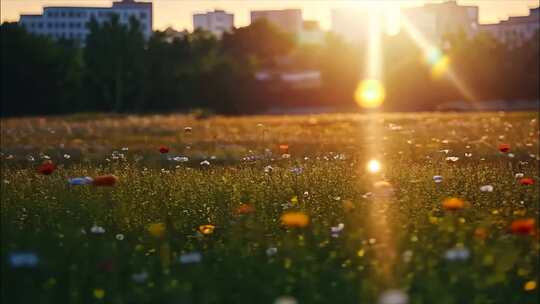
x=284 y=148
x=245 y=209
x=347 y=205
x=526 y=181
x=163 y=149
x=295 y=219
x=46 y=168
x=207 y=229
x=480 y=233
x=105 y=180
x=453 y=204
x=157 y=230
x=504 y=148
x=523 y=226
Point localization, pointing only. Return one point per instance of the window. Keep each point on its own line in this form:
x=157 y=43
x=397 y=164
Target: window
x=63 y=25
x=62 y=14
x=40 y=25
x=49 y=25
x=70 y=14
x=142 y=15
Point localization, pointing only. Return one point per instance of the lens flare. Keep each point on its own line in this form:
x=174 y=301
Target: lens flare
x=373 y=166
x=438 y=61
x=369 y=93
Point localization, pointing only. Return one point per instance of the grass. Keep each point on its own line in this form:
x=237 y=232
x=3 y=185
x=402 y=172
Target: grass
x=396 y=235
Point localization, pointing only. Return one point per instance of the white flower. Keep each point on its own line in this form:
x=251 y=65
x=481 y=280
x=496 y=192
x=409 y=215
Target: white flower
x=67 y=156
x=30 y=158
x=519 y=175
x=205 y=163
x=120 y=237
x=285 y=155
x=486 y=188
x=125 y=148
x=285 y=300
x=337 y=228
x=140 y=277
x=452 y=159
x=468 y=154
x=407 y=256
x=511 y=155
x=268 y=169
x=459 y=253
x=188 y=129
x=271 y=251
x=181 y=159
x=297 y=170
x=191 y=257
x=23 y=260
x=97 y=229
x=367 y=195
x=437 y=178
x=393 y=296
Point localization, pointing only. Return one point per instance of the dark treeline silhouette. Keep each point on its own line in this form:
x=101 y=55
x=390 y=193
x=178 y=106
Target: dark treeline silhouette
x=118 y=71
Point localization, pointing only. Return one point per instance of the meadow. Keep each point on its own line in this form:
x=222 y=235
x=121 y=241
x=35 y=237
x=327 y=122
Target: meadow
x=351 y=208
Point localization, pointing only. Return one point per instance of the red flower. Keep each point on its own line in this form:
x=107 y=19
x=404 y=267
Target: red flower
x=163 y=149
x=504 y=148
x=47 y=168
x=526 y=181
x=106 y=266
x=105 y=180
x=523 y=226
x=245 y=209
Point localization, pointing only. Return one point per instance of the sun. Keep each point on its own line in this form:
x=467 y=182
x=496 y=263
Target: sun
x=370 y=93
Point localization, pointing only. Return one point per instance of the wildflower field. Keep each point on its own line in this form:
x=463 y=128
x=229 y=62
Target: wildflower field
x=379 y=208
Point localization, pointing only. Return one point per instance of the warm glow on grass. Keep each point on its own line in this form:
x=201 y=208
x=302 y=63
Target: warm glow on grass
x=373 y=166
x=369 y=93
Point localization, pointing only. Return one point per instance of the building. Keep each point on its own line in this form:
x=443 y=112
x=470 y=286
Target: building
x=434 y=20
x=515 y=30
x=216 y=22
x=288 y=20
x=351 y=24
x=72 y=22
x=311 y=33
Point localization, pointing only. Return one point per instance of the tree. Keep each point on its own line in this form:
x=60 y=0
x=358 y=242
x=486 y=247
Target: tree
x=114 y=56
x=38 y=75
x=260 y=41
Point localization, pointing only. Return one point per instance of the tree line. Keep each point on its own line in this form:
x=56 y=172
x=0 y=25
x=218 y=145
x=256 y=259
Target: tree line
x=118 y=71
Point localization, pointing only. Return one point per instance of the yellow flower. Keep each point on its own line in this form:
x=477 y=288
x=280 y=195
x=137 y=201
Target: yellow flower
x=157 y=229
x=207 y=229
x=99 y=293
x=295 y=219
x=294 y=200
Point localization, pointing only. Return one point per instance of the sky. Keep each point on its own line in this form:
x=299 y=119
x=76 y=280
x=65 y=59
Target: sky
x=178 y=13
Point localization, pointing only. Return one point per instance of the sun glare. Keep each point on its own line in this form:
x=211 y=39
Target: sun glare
x=373 y=166
x=369 y=93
